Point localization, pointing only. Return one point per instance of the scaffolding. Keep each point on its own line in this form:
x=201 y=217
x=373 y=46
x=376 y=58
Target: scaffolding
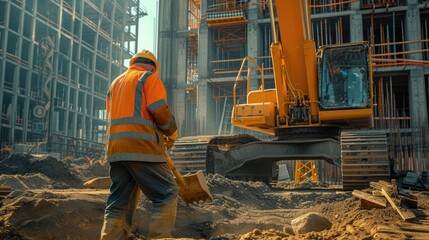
x=226 y=13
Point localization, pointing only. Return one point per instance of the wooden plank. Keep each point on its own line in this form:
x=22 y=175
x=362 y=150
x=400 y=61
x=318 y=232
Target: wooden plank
x=404 y=212
x=377 y=193
x=376 y=185
x=386 y=184
x=5 y=189
x=369 y=201
x=381 y=184
x=416 y=228
x=410 y=231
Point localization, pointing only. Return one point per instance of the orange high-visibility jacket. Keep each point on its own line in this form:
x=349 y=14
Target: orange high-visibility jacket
x=138 y=117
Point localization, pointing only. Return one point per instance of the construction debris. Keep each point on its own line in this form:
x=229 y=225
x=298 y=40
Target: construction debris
x=391 y=194
x=369 y=201
x=5 y=189
x=98 y=183
x=415 y=181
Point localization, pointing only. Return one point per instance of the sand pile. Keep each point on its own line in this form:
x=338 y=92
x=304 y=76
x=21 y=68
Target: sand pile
x=51 y=215
x=27 y=181
x=88 y=168
x=58 y=172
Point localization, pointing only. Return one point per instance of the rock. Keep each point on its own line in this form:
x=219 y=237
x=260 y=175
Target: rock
x=288 y=230
x=310 y=222
x=257 y=231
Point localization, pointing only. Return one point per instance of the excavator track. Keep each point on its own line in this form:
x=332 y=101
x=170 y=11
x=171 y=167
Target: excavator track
x=189 y=153
x=364 y=155
x=364 y=158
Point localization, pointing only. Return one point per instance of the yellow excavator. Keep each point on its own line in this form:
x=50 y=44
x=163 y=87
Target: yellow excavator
x=321 y=108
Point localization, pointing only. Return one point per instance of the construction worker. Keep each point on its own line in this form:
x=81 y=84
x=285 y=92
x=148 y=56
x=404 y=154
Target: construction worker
x=6 y=150
x=140 y=127
x=339 y=83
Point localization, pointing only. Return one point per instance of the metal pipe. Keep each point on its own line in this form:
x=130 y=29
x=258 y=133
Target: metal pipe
x=306 y=20
x=273 y=23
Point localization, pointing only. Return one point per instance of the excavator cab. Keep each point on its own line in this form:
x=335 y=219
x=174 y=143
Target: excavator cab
x=345 y=85
x=344 y=77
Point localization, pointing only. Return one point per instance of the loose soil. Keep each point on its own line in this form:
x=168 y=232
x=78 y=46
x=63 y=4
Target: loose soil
x=48 y=201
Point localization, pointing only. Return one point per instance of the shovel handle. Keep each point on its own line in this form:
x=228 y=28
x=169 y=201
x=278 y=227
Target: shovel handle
x=174 y=170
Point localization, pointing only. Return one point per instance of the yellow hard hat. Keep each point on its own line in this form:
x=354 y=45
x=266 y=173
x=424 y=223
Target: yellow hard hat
x=145 y=54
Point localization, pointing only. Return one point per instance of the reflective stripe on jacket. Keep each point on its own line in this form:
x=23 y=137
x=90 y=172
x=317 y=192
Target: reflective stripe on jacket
x=138 y=117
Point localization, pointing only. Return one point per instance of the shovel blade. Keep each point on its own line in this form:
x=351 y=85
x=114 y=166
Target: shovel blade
x=195 y=189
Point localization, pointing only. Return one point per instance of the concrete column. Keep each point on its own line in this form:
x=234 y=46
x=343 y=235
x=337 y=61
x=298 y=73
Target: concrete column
x=205 y=104
x=26 y=87
x=412 y=29
x=75 y=118
x=27 y=110
x=354 y=6
x=14 y=105
x=172 y=55
x=254 y=39
x=179 y=79
x=417 y=101
x=206 y=119
x=67 y=114
x=417 y=93
x=356 y=28
x=203 y=48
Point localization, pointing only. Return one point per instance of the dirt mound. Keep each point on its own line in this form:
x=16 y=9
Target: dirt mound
x=259 y=196
x=250 y=194
x=47 y=215
x=27 y=181
x=87 y=168
x=22 y=164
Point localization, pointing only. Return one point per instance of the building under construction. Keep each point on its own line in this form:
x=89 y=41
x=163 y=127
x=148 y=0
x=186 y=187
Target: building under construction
x=201 y=52
x=57 y=59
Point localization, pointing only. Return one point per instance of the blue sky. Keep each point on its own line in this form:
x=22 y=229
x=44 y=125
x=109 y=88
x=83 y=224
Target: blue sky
x=147 y=31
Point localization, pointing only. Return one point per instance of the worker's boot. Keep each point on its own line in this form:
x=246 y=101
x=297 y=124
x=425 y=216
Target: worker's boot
x=114 y=229
x=162 y=220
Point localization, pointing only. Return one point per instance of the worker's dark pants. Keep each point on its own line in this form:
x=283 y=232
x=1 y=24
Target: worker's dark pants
x=157 y=183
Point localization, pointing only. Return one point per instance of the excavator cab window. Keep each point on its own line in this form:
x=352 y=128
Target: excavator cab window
x=344 y=77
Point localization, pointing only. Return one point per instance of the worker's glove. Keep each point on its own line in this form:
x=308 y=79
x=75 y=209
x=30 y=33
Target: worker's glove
x=169 y=140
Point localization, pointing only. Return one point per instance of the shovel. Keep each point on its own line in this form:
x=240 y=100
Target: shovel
x=192 y=187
